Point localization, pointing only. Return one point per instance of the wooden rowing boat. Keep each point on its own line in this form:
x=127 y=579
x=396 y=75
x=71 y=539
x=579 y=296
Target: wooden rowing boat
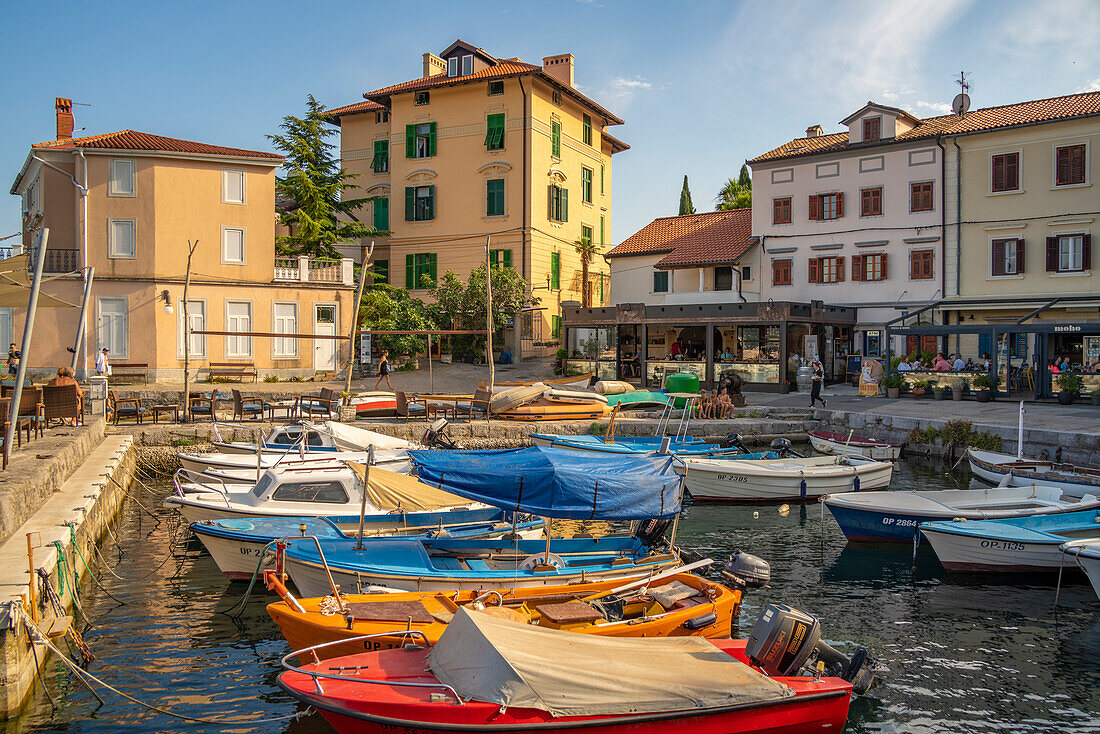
x=846 y=444
x=572 y=382
x=548 y=409
x=679 y=605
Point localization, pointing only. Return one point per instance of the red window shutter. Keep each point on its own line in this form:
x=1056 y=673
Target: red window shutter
x=916 y=265
x=883 y=276
x=1052 y=254
x=926 y=199
x=840 y=269
x=998 y=173
x=1086 y=252
x=998 y=257
x=1019 y=256
x=815 y=270
x=1062 y=166
x=815 y=207
x=914 y=197
x=840 y=205
x=857 y=267
x=1012 y=170
x=930 y=263
x=1077 y=164
x=775 y=212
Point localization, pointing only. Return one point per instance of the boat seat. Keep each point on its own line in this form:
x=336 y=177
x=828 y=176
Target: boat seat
x=570 y=612
x=669 y=594
x=391 y=611
x=476 y=564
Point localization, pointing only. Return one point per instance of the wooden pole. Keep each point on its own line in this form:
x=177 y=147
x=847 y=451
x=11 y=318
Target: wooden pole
x=431 y=377
x=489 y=314
x=355 y=314
x=187 y=341
x=363 y=496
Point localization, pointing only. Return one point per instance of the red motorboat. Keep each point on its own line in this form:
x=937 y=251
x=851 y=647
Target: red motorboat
x=491 y=674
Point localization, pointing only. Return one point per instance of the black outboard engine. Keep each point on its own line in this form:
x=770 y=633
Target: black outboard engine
x=435 y=437
x=782 y=446
x=785 y=642
x=746 y=571
x=652 y=532
x=733 y=440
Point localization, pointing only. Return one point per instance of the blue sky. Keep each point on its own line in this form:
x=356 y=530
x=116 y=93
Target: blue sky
x=702 y=85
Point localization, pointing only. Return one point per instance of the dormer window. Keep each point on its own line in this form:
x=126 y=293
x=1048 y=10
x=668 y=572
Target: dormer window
x=452 y=66
x=872 y=129
x=460 y=65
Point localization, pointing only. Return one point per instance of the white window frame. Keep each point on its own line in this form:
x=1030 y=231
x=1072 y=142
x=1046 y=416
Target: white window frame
x=196 y=339
x=233 y=342
x=279 y=345
x=112 y=248
x=467 y=67
x=7 y=325
x=1010 y=257
x=244 y=246
x=115 y=350
x=1054 y=186
x=452 y=66
x=226 y=174
x=112 y=189
x=1080 y=238
x=746 y=273
x=1019 y=172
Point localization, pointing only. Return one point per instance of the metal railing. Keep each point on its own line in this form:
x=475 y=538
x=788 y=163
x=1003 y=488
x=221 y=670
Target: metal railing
x=56 y=260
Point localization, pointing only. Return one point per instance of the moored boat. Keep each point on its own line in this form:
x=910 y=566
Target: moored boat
x=569 y=382
x=840 y=444
x=490 y=674
x=681 y=604
x=396 y=460
x=995 y=468
x=552 y=409
x=894 y=516
x=740 y=480
x=374 y=404
x=1017 y=545
x=1086 y=554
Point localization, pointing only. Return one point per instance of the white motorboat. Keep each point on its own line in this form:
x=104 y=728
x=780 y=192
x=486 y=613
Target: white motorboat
x=1086 y=554
x=325 y=491
x=312 y=438
x=840 y=444
x=894 y=516
x=781 y=479
x=396 y=460
x=998 y=468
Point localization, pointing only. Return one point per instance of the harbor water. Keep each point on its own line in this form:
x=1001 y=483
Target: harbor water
x=964 y=654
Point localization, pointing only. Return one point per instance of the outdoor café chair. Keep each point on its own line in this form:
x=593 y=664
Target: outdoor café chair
x=61 y=402
x=125 y=407
x=246 y=405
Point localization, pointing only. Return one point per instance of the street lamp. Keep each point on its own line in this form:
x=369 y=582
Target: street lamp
x=168 y=310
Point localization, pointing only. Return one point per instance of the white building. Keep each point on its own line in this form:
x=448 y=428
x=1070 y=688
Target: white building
x=854 y=218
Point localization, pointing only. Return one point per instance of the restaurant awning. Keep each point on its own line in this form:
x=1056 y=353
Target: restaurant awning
x=15 y=286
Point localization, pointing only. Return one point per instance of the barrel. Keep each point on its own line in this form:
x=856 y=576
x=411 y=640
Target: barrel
x=804 y=379
x=685 y=382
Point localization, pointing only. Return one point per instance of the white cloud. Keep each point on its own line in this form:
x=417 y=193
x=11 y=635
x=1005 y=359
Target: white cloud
x=1093 y=86
x=939 y=108
x=620 y=90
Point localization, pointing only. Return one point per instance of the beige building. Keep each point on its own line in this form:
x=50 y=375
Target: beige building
x=127 y=204
x=480 y=149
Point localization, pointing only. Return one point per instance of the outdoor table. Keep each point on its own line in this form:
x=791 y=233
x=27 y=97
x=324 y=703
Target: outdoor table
x=445 y=405
x=159 y=408
x=290 y=406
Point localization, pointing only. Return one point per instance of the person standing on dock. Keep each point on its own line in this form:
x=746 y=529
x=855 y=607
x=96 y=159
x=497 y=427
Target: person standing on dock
x=102 y=366
x=817 y=377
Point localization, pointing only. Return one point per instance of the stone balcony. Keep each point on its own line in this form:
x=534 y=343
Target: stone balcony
x=304 y=269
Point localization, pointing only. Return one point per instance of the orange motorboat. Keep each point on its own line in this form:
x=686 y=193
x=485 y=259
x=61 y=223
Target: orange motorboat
x=672 y=606
x=550 y=409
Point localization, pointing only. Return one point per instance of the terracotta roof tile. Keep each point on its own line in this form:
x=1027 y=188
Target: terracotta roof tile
x=134 y=140
x=355 y=108
x=989 y=118
x=692 y=239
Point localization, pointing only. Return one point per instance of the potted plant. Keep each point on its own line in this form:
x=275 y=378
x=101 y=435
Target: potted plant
x=957 y=387
x=920 y=388
x=939 y=391
x=1070 y=386
x=893 y=384
x=983 y=387
x=1094 y=396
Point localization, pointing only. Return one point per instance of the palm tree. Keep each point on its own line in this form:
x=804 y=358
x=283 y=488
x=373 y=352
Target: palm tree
x=586 y=248
x=733 y=195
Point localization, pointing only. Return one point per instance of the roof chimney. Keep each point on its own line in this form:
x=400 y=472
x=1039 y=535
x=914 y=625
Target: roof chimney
x=813 y=131
x=65 y=122
x=433 y=65
x=560 y=67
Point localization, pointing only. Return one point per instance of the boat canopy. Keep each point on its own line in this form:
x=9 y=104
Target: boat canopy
x=558 y=483
x=489 y=659
x=392 y=492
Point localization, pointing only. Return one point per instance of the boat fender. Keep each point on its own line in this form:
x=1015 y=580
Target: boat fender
x=698 y=623
x=802 y=488
x=855 y=484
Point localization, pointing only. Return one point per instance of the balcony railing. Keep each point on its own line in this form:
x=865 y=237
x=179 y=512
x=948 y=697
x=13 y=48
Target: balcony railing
x=313 y=270
x=56 y=261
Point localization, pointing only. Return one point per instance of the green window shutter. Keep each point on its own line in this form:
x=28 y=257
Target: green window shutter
x=410 y=203
x=410 y=271
x=507 y=258
x=586 y=234
x=550 y=201
x=382 y=214
x=555 y=326
x=494 y=133
x=555 y=270
x=555 y=138
x=587 y=121
x=431 y=138
x=494 y=197
x=586 y=185
x=410 y=141
x=600 y=276
x=564 y=204
x=601 y=178
x=601 y=230
x=384 y=147
x=431 y=266
x=431 y=203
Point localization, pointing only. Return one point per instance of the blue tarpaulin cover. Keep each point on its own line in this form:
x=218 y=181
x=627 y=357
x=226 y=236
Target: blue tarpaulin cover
x=557 y=482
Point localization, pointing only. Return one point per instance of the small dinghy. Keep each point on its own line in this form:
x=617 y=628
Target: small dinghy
x=840 y=444
x=1086 y=554
x=374 y=404
x=487 y=673
x=241 y=547
x=1018 y=545
x=894 y=516
x=770 y=480
x=995 y=468
x=673 y=604
x=571 y=382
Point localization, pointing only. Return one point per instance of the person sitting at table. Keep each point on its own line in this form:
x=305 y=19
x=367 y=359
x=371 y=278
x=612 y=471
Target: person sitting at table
x=904 y=366
x=1054 y=368
x=674 y=350
x=985 y=362
x=940 y=364
x=1064 y=365
x=958 y=365
x=66 y=376
x=727 y=355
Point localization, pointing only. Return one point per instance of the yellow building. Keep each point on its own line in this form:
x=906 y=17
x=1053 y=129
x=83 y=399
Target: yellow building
x=477 y=150
x=126 y=204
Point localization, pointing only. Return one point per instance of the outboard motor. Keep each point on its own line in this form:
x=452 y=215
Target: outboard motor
x=785 y=641
x=652 y=532
x=435 y=437
x=782 y=446
x=746 y=571
x=733 y=440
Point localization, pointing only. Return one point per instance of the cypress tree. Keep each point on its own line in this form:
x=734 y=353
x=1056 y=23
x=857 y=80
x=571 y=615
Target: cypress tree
x=685 y=199
x=744 y=180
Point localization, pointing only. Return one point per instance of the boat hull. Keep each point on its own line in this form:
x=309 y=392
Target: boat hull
x=873 y=450
x=1088 y=560
x=819 y=705
x=740 y=482
x=965 y=553
x=993 y=467
x=200 y=463
x=545 y=409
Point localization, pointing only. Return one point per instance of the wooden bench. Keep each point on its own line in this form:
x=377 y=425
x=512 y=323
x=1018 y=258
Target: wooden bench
x=233 y=369
x=130 y=369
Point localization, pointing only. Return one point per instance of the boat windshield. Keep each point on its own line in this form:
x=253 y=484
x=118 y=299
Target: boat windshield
x=325 y=492
x=263 y=485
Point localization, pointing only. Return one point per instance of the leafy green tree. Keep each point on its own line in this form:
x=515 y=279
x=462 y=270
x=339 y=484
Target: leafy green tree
x=734 y=195
x=744 y=180
x=385 y=307
x=462 y=305
x=685 y=199
x=313 y=186
x=587 y=249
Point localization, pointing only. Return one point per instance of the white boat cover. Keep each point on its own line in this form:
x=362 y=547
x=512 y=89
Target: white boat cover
x=392 y=492
x=792 y=467
x=358 y=439
x=565 y=674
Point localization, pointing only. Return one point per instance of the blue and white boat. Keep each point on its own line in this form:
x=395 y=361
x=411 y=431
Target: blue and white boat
x=240 y=547
x=643 y=445
x=1019 y=545
x=894 y=516
x=544 y=482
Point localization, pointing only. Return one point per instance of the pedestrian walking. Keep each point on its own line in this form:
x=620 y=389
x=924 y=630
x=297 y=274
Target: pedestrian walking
x=13 y=359
x=102 y=365
x=818 y=378
x=384 y=370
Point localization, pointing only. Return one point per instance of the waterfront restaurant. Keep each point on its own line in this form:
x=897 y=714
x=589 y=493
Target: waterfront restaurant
x=764 y=343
